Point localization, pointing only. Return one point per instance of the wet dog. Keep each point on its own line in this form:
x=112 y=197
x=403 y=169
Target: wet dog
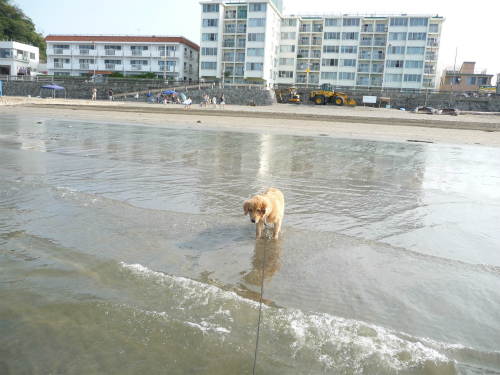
x=264 y=209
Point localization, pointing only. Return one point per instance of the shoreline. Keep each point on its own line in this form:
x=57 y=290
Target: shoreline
x=379 y=124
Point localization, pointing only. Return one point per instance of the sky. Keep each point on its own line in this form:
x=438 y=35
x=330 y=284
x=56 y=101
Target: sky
x=469 y=33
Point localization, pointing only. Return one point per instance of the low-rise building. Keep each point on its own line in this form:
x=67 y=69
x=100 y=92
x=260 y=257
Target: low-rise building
x=18 y=58
x=467 y=80
x=85 y=55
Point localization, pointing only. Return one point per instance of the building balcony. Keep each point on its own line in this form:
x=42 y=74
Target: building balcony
x=316 y=55
x=138 y=52
x=365 y=56
x=242 y=29
x=378 y=56
x=317 y=28
x=228 y=58
x=317 y=42
x=230 y=30
x=305 y=29
x=85 y=52
x=59 y=51
x=228 y=44
x=136 y=67
x=241 y=44
x=304 y=42
x=382 y=42
x=365 y=43
x=367 y=29
x=85 y=66
x=110 y=52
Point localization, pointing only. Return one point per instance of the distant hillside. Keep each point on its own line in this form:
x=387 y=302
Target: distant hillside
x=15 y=25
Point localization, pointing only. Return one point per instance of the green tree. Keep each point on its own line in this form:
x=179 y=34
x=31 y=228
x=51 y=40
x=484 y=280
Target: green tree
x=15 y=25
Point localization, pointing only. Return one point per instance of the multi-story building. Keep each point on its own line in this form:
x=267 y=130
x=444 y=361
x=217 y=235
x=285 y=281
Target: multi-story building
x=83 y=55
x=467 y=79
x=396 y=51
x=18 y=58
x=240 y=41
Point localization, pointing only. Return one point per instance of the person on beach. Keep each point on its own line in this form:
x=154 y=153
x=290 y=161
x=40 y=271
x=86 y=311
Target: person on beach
x=222 y=101
x=110 y=94
x=214 y=102
x=207 y=99
x=94 y=93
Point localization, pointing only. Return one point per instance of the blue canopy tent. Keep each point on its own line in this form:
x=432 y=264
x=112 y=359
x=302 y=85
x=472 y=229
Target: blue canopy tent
x=54 y=87
x=169 y=92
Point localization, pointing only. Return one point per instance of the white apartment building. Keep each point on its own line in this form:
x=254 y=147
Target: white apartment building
x=83 y=55
x=393 y=51
x=240 y=41
x=18 y=59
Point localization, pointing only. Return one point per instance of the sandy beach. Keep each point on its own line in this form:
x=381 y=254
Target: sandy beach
x=327 y=121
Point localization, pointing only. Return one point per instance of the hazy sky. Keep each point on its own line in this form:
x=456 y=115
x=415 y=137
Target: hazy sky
x=472 y=29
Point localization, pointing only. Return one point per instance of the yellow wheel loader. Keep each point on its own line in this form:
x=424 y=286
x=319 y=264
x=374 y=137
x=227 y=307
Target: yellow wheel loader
x=326 y=95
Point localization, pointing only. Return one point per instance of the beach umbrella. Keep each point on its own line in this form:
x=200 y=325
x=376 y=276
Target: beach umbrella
x=169 y=92
x=54 y=87
x=183 y=97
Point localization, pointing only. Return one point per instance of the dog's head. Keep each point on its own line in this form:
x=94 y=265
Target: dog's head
x=256 y=208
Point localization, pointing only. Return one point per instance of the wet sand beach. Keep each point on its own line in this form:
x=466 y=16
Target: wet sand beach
x=124 y=247
x=340 y=122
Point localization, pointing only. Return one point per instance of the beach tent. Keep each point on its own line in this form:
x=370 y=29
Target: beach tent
x=169 y=92
x=54 y=87
x=183 y=97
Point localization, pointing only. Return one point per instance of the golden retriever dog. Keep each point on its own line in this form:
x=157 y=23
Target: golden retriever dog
x=266 y=208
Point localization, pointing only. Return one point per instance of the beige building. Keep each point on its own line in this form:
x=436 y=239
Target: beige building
x=467 y=79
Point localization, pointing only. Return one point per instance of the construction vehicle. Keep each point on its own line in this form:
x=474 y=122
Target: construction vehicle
x=294 y=95
x=326 y=94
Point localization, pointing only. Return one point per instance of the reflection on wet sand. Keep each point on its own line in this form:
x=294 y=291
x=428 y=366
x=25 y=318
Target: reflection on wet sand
x=272 y=265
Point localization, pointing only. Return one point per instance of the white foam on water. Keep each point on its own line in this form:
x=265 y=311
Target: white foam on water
x=330 y=341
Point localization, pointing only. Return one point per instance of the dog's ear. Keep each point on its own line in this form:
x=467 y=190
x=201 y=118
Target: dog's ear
x=245 y=206
x=264 y=208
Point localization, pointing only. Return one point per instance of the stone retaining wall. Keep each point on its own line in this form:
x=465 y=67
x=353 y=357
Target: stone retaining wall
x=239 y=96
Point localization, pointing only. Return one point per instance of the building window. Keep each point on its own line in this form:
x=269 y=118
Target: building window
x=32 y=56
x=397 y=36
x=287 y=48
x=288 y=35
x=346 y=76
x=349 y=49
x=255 y=66
x=257 y=22
x=332 y=22
x=328 y=75
x=61 y=46
x=289 y=22
x=417 y=36
x=394 y=63
x=394 y=77
x=348 y=62
x=399 y=21
x=331 y=35
x=414 y=64
x=412 y=78
x=209 y=37
x=256 y=37
x=396 y=50
x=258 y=7
x=210 y=22
x=209 y=51
x=330 y=49
x=471 y=80
x=208 y=8
x=415 y=50
x=286 y=61
x=351 y=22
x=350 y=36
x=285 y=74
x=482 y=80
x=255 y=52
x=330 y=62
x=418 y=21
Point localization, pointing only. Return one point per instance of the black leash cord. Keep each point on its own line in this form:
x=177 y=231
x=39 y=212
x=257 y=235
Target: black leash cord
x=261 y=293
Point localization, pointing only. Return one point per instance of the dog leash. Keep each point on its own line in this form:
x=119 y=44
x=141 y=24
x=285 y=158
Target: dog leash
x=261 y=294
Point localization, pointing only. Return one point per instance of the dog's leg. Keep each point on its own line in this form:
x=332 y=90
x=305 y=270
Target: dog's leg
x=277 y=228
x=258 y=229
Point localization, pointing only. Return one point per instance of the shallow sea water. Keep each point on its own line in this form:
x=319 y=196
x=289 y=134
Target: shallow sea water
x=124 y=250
